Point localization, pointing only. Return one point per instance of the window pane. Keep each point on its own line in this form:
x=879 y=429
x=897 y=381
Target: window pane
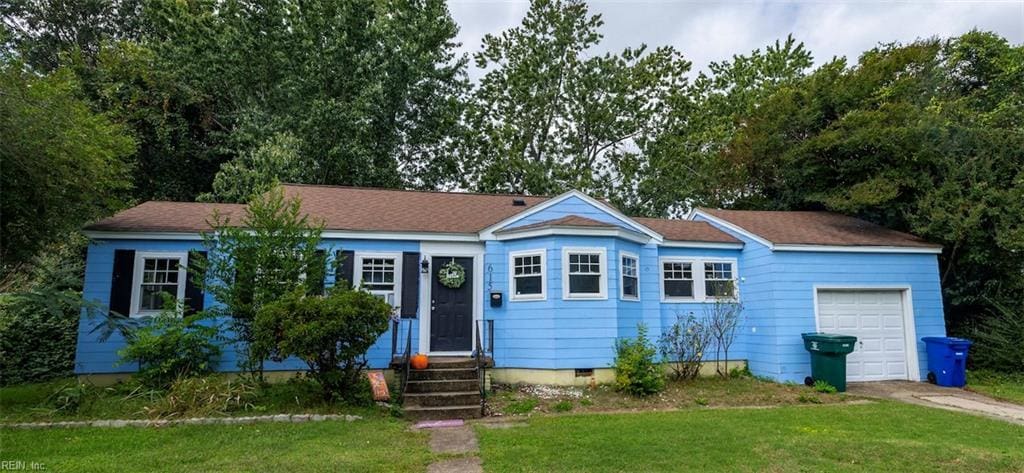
x=718 y=288
x=675 y=288
x=629 y=286
x=528 y=285
x=629 y=266
x=584 y=284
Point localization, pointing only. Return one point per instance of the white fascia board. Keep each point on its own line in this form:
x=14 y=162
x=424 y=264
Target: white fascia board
x=100 y=235
x=574 y=231
x=730 y=226
x=700 y=244
x=326 y=234
x=858 y=249
x=488 y=233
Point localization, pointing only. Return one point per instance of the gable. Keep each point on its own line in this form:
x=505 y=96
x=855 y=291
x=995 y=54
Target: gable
x=572 y=204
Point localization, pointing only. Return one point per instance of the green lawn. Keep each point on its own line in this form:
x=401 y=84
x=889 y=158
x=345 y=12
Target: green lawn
x=375 y=444
x=1008 y=387
x=881 y=436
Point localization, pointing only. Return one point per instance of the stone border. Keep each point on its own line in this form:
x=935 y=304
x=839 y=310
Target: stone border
x=292 y=418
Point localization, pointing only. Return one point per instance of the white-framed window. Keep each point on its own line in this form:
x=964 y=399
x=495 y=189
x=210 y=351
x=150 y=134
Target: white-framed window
x=688 y=279
x=527 y=281
x=380 y=274
x=156 y=274
x=584 y=273
x=718 y=279
x=629 y=268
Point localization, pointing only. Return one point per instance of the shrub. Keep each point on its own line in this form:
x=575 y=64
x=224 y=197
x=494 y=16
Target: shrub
x=723 y=318
x=562 y=406
x=204 y=397
x=683 y=346
x=808 y=398
x=701 y=401
x=636 y=371
x=330 y=333
x=823 y=386
x=71 y=397
x=168 y=347
x=997 y=340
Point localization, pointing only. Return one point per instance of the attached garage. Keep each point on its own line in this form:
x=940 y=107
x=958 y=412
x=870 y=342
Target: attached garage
x=882 y=321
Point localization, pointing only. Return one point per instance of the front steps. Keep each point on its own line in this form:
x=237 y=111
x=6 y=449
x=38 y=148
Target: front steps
x=448 y=389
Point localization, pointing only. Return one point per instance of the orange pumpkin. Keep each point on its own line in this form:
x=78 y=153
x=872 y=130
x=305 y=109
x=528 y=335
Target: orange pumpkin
x=419 y=361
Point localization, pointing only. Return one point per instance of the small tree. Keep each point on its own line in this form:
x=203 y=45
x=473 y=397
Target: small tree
x=330 y=333
x=170 y=346
x=269 y=253
x=683 y=346
x=722 y=319
x=636 y=370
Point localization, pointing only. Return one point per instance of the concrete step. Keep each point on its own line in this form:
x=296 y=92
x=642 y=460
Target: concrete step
x=458 y=398
x=442 y=385
x=442 y=374
x=417 y=413
x=451 y=362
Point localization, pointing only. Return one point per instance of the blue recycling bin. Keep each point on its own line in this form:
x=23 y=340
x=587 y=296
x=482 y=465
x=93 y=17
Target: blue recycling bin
x=947 y=360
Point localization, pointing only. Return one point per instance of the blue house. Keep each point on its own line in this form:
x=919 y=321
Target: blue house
x=552 y=282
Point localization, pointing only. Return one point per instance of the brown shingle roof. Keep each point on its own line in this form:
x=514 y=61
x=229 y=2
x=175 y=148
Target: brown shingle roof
x=567 y=221
x=158 y=216
x=686 y=230
x=816 y=228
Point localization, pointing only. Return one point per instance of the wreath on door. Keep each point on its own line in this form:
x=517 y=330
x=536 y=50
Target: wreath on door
x=452 y=275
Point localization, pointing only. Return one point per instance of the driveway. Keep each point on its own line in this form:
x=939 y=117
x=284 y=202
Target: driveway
x=954 y=399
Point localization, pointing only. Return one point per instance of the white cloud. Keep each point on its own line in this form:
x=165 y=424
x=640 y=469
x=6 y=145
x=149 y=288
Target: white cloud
x=708 y=31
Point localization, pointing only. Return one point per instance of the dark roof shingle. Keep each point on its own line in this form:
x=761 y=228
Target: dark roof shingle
x=686 y=230
x=816 y=228
x=567 y=221
x=159 y=216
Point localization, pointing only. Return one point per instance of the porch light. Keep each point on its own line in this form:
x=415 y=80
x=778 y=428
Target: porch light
x=425 y=265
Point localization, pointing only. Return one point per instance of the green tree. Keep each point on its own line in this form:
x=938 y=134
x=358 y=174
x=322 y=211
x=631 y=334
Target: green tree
x=259 y=258
x=548 y=116
x=63 y=165
x=249 y=175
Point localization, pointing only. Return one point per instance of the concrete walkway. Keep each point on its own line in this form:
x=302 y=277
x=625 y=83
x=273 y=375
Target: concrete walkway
x=953 y=399
x=453 y=437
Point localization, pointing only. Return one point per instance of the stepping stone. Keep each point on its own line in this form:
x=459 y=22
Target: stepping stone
x=453 y=440
x=458 y=465
x=435 y=424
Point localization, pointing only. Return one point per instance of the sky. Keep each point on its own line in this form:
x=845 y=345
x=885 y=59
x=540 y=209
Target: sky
x=706 y=31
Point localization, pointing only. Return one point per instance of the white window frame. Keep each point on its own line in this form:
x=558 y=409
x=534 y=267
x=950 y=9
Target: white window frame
x=357 y=270
x=512 y=255
x=704 y=280
x=139 y=264
x=602 y=276
x=697 y=267
x=622 y=276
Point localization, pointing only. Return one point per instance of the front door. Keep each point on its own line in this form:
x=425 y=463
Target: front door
x=451 y=309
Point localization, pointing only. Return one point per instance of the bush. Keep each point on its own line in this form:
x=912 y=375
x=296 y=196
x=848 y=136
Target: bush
x=823 y=386
x=636 y=371
x=169 y=347
x=562 y=406
x=683 y=346
x=71 y=397
x=330 y=333
x=997 y=340
x=204 y=397
x=524 y=406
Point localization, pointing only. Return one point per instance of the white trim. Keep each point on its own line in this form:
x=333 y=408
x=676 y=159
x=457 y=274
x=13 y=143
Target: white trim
x=512 y=297
x=697 y=267
x=488 y=233
x=701 y=244
x=97 y=235
x=909 y=327
x=139 y=263
x=357 y=270
x=603 y=276
x=622 y=276
x=514 y=234
x=859 y=249
x=730 y=226
x=431 y=249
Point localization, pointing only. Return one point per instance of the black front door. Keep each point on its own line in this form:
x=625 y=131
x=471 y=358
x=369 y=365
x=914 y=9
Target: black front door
x=451 y=310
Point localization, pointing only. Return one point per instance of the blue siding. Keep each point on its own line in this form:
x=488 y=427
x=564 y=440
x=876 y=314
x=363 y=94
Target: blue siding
x=572 y=206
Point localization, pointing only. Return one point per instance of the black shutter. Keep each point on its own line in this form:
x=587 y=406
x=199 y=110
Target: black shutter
x=194 y=294
x=317 y=286
x=410 y=284
x=346 y=264
x=121 y=282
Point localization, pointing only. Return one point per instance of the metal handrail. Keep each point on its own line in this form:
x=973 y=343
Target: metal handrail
x=403 y=379
x=479 y=352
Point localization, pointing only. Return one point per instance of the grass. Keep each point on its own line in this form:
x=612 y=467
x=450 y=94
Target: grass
x=701 y=392
x=29 y=402
x=1008 y=387
x=374 y=444
x=880 y=436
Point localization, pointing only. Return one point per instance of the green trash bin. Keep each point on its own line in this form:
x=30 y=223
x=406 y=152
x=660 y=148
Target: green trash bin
x=828 y=357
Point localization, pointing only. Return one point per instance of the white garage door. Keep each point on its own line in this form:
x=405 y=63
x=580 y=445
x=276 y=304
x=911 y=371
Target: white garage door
x=876 y=319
